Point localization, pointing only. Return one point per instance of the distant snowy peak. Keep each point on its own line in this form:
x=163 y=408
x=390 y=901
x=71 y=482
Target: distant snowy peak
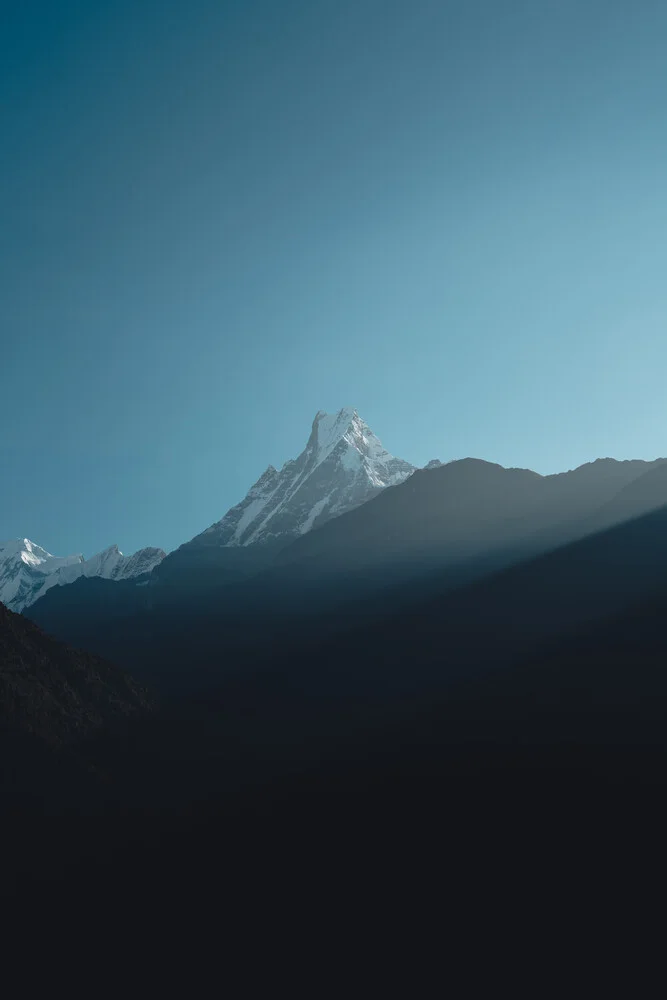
x=25 y=565
x=113 y=565
x=27 y=570
x=34 y=556
x=143 y=561
x=348 y=437
x=343 y=465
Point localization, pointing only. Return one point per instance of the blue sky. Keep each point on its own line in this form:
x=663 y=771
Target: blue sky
x=217 y=218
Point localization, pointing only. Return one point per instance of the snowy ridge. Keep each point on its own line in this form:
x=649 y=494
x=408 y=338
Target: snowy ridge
x=343 y=465
x=27 y=570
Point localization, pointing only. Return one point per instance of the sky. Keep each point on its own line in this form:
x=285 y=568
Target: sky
x=217 y=218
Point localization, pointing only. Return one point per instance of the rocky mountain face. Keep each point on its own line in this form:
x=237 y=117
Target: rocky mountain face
x=27 y=571
x=463 y=507
x=341 y=525
x=469 y=510
x=342 y=467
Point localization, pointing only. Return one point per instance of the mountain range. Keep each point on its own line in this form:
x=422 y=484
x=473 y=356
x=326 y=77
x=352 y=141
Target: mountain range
x=474 y=729
x=342 y=466
x=337 y=536
x=53 y=700
x=346 y=506
x=27 y=571
x=449 y=678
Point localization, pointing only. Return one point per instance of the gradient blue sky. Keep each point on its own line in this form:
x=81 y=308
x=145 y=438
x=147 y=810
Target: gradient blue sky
x=217 y=218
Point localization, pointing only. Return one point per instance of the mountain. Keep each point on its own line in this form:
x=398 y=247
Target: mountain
x=55 y=701
x=304 y=543
x=642 y=495
x=60 y=710
x=54 y=691
x=492 y=583
x=503 y=725
x=342 y=466
x=330 y=512
x=441 y=515
x=467 y=517
x=487 y=726
x=27 y=571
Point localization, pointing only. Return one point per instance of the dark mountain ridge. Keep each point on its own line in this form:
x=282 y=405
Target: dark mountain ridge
x=436 y=746
x=352 y=699
x=439 y=731
x=53 y=698
x=443 y=527
x=56 y=691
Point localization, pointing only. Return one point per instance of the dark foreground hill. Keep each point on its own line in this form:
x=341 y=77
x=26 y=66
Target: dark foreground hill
x=367 y=636
x=55 y=691
x=447 y=760
x=53 y=698
x=269 y=818
x=210 y=607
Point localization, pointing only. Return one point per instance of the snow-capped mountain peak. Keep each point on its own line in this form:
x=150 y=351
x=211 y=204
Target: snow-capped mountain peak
x=34 y=555
x=343 y=465
x=329 y=429
x=27 y=570
x=23 y=565
x=347 y=431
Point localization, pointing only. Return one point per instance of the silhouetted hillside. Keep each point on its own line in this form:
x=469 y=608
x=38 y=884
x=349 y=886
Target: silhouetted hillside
x=439 y=734
x=55 y=691
x=53 y=698
x=281 y=618
x=386 y=763
x=451 y=746
x=641 y=496
x=447 y=526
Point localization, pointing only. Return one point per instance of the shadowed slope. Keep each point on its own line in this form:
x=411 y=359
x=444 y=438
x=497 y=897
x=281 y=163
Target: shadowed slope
x=57 y=692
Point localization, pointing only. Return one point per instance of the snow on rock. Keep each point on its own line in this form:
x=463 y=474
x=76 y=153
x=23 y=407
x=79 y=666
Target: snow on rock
x=24 y=565
x=343 y=465
x=27 y=570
